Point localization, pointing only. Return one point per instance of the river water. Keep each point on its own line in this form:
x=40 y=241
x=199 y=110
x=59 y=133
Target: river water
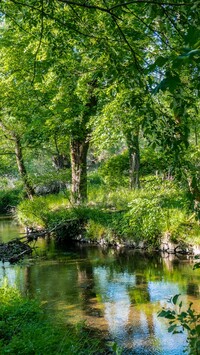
x=116 y=291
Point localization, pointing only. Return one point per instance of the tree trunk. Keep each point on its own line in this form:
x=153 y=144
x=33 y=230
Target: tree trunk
x=60 y=160
x=22 y=169
x=195 y=192
x=79 y=149
x=134 y=160
x=79 y=146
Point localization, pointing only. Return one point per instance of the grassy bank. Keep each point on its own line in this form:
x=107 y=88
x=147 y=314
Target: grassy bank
x=159 y=207
x=26 y=329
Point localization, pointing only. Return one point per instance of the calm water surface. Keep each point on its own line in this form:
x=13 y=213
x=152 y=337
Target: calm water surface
x=119 y=292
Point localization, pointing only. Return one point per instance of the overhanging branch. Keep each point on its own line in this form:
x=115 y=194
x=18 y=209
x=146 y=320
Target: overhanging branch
x=109 y=10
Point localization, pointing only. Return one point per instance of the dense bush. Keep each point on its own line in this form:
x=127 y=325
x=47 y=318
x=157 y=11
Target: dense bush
x=152 y=161
x=9 y=199
x=115 y=170
x=44 y=211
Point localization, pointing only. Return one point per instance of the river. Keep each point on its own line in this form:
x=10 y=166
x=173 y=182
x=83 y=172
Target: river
x=118 y=292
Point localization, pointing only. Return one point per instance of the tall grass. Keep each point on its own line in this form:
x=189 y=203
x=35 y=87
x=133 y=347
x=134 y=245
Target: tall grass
x=42 y=210
x=159 y=207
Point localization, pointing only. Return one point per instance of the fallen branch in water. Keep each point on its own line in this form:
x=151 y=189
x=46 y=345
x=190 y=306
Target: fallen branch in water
x=33 y=234
x=14 y=250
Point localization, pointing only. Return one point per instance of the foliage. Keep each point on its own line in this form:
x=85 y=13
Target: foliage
x=9 y=199
x=127 y=72
x=25 y=328
x=44 y=210
x=114 y=171
x=144 y=220
x=160 y=207
x=153 y=161
x=181 y=319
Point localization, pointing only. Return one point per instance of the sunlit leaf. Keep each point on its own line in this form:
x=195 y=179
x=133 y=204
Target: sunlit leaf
x=175 y=299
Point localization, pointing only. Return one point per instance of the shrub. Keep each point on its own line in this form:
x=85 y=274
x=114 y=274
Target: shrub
x=43 y=209
x=142 y=221
x=143 y=214
x=115 y=170
x=152 y=161
x=9 y=199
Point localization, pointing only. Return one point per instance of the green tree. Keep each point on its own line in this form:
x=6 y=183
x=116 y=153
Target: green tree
x=73 y=52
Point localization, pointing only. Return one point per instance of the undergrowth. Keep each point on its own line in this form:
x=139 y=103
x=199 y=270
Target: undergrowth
x=159 y=207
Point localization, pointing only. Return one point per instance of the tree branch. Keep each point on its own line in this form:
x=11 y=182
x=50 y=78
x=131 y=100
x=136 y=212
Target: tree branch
x=109 y=10
x=128 y=44
x=40 y=41
x=148 y=2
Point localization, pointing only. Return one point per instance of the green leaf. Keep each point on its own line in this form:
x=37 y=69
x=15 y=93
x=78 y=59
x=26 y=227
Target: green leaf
x=192 y=37
x=172 y=328
x=160 y=62
x=175 y=299
x=198 y=329
x=189 y=54
x=186 y=326
x=162 y=313
x=183 y=315
x=178 y=332
x=197 y=257
x=171 y=82
x=196 y=266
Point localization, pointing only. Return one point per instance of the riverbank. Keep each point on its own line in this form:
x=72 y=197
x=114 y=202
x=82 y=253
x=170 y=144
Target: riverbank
x=157 y=216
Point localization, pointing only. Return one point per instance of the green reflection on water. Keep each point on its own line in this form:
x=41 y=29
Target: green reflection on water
x=9 y=229
x=117 y=291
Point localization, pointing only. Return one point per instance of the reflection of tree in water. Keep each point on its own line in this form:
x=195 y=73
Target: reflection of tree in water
x=68 y=281
x=118 y=284
x=142 y=264
x=86 y=280
x=145 y=267
x=86 y=285
x=193 y=289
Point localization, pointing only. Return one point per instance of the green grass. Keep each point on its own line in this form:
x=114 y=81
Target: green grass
x=159 y=207
x=26 y=329
x=44 y=211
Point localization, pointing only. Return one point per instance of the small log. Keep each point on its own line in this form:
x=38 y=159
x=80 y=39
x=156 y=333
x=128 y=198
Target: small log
x=16 y=258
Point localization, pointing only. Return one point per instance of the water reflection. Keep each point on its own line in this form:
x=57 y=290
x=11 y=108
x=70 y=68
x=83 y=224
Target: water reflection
x=8 y=229
x=116 y=291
